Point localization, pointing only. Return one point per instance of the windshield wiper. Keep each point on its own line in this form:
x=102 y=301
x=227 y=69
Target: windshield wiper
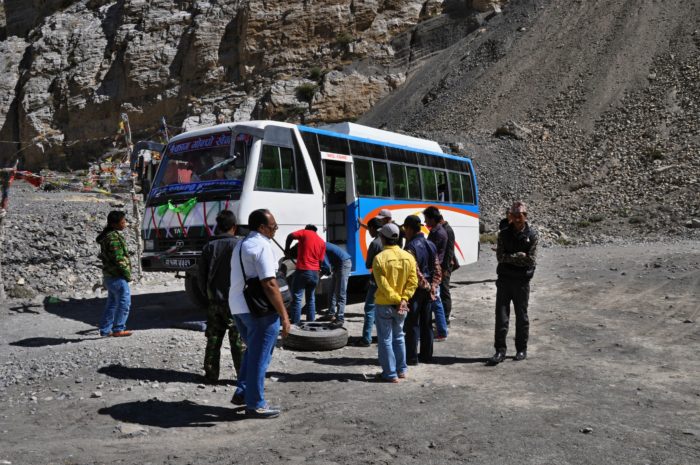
x=221 y=164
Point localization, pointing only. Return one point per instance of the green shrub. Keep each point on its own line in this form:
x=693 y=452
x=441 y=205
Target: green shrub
x=583 y=224
x=344 y=39
x=316 y=73
x=488 y=238
x=654 y=153
x=596 y=218
x=305 y=92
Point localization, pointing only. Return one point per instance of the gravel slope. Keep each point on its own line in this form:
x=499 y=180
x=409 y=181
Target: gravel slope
x=609 y=91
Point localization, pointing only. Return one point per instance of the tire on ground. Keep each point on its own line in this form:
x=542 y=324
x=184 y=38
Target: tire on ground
x=315 y=336
x=198 y=299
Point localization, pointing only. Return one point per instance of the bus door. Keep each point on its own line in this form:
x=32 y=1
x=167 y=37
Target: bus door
x=336 y=192
x=337 y=169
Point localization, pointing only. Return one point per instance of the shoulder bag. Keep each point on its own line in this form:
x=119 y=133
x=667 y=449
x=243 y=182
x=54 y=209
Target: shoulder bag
x=258 y=303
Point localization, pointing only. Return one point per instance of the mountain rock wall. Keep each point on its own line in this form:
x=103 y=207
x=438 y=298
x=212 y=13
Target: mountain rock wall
x=71 y=67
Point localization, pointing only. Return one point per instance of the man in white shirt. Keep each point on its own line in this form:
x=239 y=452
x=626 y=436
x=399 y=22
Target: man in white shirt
x=259 y=333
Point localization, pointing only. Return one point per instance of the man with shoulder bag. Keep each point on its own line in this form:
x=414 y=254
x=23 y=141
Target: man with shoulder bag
x=258 y=307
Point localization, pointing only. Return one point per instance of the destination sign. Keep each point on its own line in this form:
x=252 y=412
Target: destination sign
x=202 y=142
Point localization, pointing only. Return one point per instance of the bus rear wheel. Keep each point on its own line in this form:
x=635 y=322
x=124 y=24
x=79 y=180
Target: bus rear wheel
x=198 y=299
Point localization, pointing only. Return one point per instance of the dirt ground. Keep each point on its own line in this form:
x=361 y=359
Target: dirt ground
x=612 y=376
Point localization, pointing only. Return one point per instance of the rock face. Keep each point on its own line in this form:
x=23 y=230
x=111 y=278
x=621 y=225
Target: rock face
x=71 y=67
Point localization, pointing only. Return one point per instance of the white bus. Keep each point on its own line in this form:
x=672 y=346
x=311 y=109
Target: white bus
x=336 y=178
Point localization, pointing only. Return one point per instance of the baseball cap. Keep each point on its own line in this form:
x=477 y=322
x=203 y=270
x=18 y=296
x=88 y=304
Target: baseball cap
x=413 y=221
x=390 y=231
x=384 y=213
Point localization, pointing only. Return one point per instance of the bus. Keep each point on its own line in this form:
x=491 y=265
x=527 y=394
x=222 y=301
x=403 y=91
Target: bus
x=337 y=177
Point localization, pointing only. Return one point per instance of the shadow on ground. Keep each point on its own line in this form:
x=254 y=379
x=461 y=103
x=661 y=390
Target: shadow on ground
x=315 y=377
x=341 y=361
x=161 y=375
x=172 y=414
x=48 y=341
x=148 y=311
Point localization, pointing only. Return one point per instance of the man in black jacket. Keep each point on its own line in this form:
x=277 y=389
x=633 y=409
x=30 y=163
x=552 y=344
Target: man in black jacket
x=214 y=273
x=517 y=257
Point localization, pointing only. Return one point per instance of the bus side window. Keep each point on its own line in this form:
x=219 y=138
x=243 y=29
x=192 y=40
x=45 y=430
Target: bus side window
x=430 y=186
x=456 y=191
x=413 y=183
x=289 y=180
x=381 y=179
x=443 y=193
x=363 y=177
x=276 y=170
x=467 y=189
x=398 y=181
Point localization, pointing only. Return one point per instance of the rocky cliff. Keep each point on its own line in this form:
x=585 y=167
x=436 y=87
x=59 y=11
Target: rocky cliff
x=71 y=67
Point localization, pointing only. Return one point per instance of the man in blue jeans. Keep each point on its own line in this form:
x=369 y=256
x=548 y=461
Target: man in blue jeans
x=394 y=271
x=374 y=248
x=339 y=262
x=116 y=273
x=259 y=334
x=310 y=251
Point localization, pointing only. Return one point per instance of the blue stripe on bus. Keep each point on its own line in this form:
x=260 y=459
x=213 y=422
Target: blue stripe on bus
x=377 y=142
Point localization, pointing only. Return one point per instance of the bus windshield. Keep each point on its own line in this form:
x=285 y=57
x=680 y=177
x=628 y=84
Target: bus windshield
x=206 y=160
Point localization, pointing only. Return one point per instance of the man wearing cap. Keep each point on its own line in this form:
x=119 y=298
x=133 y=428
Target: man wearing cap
x=516 y=252
x=418 y=321
x=385 y=217
x=375 y=247
x=394 y=271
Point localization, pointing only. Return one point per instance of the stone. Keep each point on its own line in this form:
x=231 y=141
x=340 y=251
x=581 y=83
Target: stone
x=130 y=430
x=96 y=394
x=514 y=130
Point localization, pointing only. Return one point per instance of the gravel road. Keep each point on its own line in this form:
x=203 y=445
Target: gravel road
x=611 y=377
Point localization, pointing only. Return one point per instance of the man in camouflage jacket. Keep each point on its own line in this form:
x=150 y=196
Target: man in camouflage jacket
x=116 y=274
x=214 y=276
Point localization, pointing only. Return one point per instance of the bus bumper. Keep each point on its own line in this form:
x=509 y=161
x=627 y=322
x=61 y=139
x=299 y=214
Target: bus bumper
x=181 y=261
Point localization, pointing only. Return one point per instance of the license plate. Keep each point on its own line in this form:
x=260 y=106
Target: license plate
x=180 y=263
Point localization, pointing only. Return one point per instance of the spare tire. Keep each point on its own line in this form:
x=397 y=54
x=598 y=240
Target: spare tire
x=312 y=335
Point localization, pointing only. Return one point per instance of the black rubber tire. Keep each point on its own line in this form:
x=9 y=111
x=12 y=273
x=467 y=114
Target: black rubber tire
x=198 y=299
x=309 y=336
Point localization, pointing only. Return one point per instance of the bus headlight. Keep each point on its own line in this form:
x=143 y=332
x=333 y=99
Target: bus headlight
x=149 y=244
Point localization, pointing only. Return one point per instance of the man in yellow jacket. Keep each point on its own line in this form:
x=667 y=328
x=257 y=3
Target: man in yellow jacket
x=394 y=271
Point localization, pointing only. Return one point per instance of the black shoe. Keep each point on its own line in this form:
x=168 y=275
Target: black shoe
x=335 y=324
x=361 y=343
x=521 y=355
x=237 y=399
x=326 y=317
x=262 y=413
x=497 y=358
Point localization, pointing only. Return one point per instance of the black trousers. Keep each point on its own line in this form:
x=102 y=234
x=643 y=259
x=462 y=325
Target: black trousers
x=518 y=292
x=446 y=297
x=418 y=326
